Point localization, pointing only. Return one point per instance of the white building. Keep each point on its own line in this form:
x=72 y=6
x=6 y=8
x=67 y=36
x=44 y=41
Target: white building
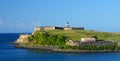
x=88 y=40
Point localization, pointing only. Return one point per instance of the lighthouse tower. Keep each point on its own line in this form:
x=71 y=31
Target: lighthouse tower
x=67 y=24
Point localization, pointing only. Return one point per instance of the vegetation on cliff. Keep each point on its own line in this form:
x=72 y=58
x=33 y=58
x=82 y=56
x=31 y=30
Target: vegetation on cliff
x=106 y=47
x=45 y=38
x=59 y=38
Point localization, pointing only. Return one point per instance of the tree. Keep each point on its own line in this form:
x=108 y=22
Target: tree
x=94 y=36
x=52 y=39
x=60 y=40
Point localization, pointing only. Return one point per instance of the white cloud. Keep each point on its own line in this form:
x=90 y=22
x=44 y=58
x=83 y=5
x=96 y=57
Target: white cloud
x=38 y=23
x=1 y=22
x=35 y=23
x=21 y=25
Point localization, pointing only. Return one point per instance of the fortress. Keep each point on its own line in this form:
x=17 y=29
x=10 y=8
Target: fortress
x=59 y=28
x=24 y=37
x=87 y=41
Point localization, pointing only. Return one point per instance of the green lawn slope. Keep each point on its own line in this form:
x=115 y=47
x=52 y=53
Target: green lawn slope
x=78 y=34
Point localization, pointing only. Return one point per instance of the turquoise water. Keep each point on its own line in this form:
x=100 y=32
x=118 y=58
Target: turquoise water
x=9 y=53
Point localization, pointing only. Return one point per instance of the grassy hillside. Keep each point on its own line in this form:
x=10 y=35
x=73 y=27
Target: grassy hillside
x=59 y=37
x=78 y=34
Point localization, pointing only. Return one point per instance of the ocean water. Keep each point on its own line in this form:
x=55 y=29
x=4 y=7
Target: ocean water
x=9 y=53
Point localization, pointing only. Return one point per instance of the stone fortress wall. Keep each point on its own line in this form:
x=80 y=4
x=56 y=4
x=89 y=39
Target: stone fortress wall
x=59 y=28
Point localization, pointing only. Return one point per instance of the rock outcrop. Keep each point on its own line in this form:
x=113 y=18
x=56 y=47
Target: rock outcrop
x=23 y=38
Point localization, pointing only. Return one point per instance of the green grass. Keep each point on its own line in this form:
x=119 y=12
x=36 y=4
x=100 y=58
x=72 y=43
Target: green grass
x=78 y=34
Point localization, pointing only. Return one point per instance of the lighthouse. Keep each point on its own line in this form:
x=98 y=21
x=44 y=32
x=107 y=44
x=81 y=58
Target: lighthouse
x=67 y=24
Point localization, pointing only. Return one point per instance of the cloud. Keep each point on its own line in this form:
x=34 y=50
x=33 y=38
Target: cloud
x=1 y=22
x=33 y=23
x=28 y=25
x=21 y=25
x=37 y=23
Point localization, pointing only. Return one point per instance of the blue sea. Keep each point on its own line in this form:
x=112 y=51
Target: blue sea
x=9 y=53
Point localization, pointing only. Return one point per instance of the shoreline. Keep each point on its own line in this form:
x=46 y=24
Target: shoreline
x=52 y=49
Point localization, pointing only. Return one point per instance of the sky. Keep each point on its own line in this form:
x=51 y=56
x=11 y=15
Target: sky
x=17 y=16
